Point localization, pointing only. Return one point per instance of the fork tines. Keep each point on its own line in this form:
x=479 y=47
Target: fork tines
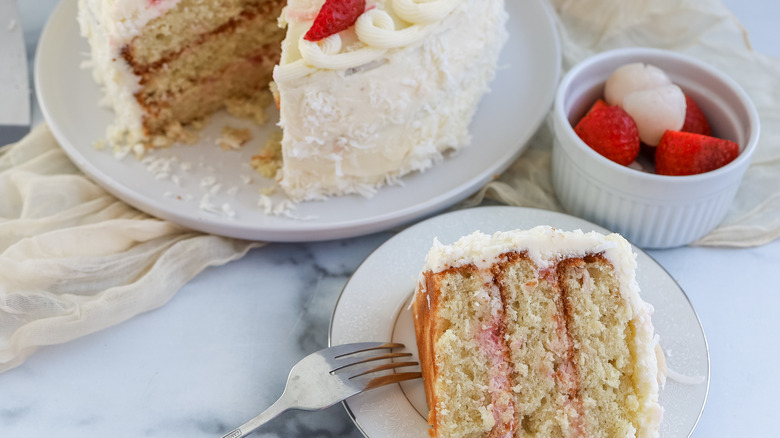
x=354 y=356
x=344 y=350
x=388 y=379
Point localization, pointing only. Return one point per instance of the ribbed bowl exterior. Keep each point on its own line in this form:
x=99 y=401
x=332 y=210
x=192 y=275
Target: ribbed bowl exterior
x=646 y=223
x=651 y=211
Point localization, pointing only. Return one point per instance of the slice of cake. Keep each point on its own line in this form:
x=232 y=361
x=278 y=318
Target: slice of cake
x=537 y=333
x=380 y=98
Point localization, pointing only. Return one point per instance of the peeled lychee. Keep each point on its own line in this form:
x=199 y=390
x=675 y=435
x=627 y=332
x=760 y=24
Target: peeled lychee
x=630 y=78
x=655 y=111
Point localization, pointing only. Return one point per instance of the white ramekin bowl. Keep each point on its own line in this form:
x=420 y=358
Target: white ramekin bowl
x=652 y=211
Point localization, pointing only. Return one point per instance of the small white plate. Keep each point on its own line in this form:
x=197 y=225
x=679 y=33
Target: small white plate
x=506 y=118
x=375 y=306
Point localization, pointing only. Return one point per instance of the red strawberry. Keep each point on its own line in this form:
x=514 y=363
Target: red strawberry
x=686 y=153
x=611 y=132
x=335 y=16
x=694 y=119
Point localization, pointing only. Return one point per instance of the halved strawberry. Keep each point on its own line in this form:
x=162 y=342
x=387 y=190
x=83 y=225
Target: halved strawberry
x=335 y=16
x=695 y=121
x=611 y=132
x=686 y=153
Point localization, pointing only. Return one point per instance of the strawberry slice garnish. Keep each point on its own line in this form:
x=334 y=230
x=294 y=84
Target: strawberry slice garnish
x=611 y=132
x=695 y=121
x=686 y=153
x=335 y=16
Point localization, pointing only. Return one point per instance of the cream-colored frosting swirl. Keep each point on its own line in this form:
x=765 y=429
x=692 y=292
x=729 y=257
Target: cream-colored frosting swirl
x=376 y=28
x=292 y=71
x=327 y=53
x=377 y=32
x=423 y=11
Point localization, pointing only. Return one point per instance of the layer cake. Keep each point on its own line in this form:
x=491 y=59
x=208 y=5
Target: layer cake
x=536 y=333
x=358 y=109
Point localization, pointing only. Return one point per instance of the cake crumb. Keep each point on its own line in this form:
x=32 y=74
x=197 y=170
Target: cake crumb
x=268 y=160
x=284 y=208
x=121 y=152
x=271 y=208
x=266 y=204
x=207 y=181
x=176 y=133
x=250 y=108
x=139 y=150
x=206 y=205
x=198 y=124
x=161 y=142
x=228 y=211
x=233 y=138
x=267 y=191
x=274 y=89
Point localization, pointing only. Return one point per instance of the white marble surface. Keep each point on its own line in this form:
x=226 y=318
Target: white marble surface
x=220 y=350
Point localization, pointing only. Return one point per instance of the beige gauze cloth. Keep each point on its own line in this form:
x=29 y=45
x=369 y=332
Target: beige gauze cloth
x=74 y=260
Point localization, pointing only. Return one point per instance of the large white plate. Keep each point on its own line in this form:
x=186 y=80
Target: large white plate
x=506 y=118
x=375 y=306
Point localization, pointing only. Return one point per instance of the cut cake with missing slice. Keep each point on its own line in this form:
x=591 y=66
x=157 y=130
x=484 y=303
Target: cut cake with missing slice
x=386 y=96
x=537 y=333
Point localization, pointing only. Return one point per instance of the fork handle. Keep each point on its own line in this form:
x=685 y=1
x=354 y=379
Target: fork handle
x=267 y=415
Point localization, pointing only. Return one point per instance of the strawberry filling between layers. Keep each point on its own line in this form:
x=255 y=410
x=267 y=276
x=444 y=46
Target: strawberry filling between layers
x=563 y=365
x=567 y=376
x=491 y=343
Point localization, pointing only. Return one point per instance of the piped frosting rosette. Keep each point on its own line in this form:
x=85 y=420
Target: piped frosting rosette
x=376 y=31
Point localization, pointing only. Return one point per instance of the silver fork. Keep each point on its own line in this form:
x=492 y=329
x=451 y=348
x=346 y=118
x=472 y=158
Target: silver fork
x=329 y=376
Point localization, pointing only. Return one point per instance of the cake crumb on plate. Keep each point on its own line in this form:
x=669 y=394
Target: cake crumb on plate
x=233 y=138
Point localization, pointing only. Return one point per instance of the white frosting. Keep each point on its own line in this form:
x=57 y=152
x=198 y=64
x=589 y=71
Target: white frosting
x=400 y=95
x=546 y=246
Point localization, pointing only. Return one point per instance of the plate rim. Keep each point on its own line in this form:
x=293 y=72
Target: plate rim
x=594 y=226
x=293 y=230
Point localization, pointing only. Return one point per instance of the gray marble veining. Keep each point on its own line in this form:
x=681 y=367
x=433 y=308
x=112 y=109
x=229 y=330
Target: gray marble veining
x=232 y=356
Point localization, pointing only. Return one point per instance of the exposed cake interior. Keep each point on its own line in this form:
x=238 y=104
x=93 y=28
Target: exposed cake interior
x=183 y=60
x=536 y=333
